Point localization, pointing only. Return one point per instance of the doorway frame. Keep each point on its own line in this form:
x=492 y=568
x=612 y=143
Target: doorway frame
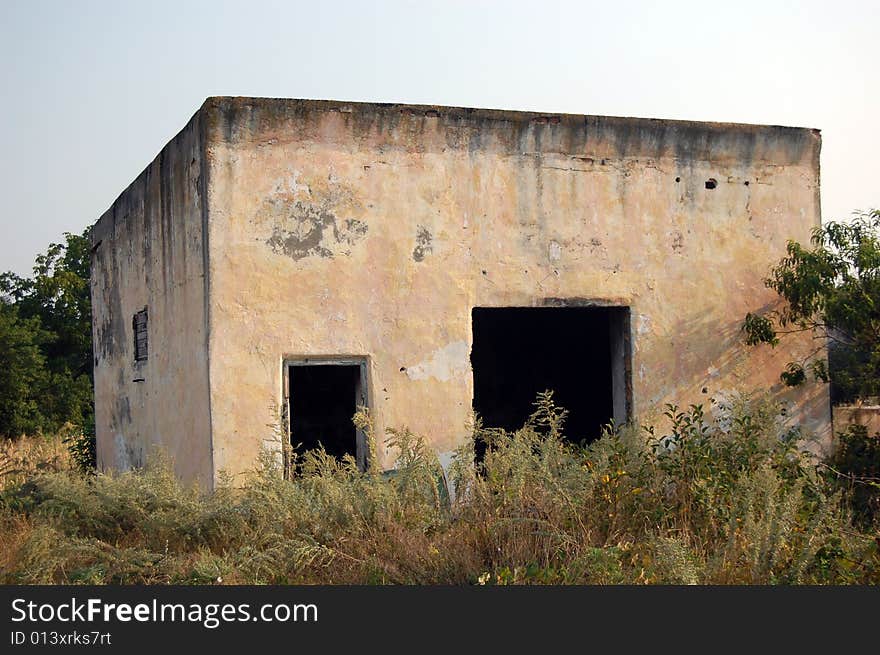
x=363 y=398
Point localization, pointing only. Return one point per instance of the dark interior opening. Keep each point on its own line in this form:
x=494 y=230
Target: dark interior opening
x=323 y=399
x=581 y=353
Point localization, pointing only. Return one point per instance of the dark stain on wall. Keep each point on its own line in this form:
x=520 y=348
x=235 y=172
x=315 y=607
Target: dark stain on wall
x=423 y=243
x=421 y=128
x=315 y=231
x=123 y=410
x=109 y=324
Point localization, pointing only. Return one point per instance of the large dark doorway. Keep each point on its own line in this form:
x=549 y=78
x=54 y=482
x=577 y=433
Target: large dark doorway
x=323 y=397
x=581 y=353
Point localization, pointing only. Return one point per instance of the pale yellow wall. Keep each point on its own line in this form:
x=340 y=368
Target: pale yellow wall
x=149 y=251
x=520 y=208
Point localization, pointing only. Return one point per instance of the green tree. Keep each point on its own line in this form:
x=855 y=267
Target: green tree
x=831 y=288
x=23 y=375
x=48 y=316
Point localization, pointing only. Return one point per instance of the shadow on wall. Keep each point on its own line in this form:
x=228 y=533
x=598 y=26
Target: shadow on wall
x=709 y=358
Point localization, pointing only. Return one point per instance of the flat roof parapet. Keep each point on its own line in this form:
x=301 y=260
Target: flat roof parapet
x=520 y=132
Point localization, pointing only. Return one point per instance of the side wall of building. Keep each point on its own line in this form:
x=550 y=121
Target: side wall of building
x=149 y=252
x=365 y=230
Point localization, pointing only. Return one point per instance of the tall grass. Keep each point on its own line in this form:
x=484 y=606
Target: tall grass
x=23 y=458
x=722 y=497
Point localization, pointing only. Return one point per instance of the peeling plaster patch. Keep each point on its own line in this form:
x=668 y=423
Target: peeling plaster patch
x=126 y=458
x=677 y=241
x=311 y=219
x=555 y=251
x=423 y=243
x=292 y=186
x=712 y=372
x=447 y=363
x=644 y=324
x=446 y=460
x=313 y=230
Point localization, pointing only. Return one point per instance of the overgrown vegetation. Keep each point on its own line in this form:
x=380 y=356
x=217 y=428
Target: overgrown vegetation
x=723 y=497
x=831 y=289
x=855 y=465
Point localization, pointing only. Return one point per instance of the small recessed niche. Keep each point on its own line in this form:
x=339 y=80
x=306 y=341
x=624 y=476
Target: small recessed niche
x=711 y=183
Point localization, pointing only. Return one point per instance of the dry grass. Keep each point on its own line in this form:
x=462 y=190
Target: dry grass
x=21 y=459
x=721 y=499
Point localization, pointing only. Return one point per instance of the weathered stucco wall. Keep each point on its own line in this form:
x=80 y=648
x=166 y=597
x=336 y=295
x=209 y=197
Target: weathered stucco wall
x=149 y=251
x=847 y=415
x=372 y=230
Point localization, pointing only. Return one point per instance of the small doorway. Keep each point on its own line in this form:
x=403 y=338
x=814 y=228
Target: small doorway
x=322 y=396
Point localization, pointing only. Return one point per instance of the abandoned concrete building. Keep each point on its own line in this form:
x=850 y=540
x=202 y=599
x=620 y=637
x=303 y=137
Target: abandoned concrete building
x=282 y=262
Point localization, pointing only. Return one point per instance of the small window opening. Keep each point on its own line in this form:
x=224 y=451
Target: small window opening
x=582 y=354
x=711 y=183
x=139 y=327
x=323 y=396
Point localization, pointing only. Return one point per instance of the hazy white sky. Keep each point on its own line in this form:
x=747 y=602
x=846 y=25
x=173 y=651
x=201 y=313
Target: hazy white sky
x=91 y=91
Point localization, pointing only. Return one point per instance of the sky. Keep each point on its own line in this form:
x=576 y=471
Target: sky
x=91 y=91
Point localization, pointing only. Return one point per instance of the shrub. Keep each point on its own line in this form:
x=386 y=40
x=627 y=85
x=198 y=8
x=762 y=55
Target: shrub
x=854 y=467
x=722 y=496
